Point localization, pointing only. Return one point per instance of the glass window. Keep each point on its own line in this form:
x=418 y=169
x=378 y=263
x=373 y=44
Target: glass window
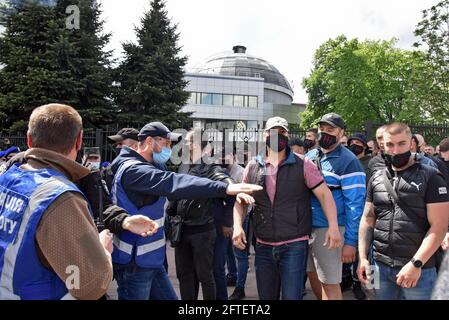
x=206 y=98
x=252 y=102
x=217 y=99
x=250 y=124
x=228 y=100
x=238 y=101
x=192 y=99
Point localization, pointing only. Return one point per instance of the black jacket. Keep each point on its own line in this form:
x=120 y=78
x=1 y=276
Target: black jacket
x=200 y=214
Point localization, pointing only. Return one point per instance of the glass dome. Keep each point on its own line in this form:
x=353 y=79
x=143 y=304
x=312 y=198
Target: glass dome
x=239 y=63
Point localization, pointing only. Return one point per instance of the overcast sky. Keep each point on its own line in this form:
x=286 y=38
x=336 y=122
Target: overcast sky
x=284 y=32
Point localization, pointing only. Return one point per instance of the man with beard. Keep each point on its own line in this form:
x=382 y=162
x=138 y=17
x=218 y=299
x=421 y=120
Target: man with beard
x=311 y=140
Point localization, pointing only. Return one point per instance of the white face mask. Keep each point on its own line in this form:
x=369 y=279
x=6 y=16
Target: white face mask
x=93 y=165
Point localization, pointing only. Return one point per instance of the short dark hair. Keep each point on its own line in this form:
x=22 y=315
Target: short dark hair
x=397 y=128
x=55 y=127
x=314 y=130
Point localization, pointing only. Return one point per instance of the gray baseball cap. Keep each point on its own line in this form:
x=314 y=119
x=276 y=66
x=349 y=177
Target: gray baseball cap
x=276 y=122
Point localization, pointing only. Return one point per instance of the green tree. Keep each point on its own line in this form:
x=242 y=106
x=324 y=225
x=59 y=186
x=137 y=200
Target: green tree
x=45 y=62
x=370 y=80
x=150 y=79
x=433 y=34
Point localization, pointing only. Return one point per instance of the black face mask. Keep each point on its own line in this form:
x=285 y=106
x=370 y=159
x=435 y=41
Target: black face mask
x=282 y=142
x=309 y=143
x=398 y=160
x=327 y=140
x=356 y=149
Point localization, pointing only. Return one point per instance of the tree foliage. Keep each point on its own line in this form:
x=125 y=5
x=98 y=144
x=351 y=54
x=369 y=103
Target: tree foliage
x=150 y=79
x=45 y=62
x=366 y=81
x=433 y=37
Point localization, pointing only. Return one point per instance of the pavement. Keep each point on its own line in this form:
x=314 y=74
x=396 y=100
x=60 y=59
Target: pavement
x=250 y=289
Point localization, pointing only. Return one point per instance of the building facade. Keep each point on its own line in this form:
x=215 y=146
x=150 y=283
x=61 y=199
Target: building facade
x=235 y=90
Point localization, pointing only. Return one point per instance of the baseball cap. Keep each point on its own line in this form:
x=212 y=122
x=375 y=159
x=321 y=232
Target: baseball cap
x=358 y=136
x=158 y=129
x=296 y=142
x=333 y=120
x=125 y=133
x=276 y=122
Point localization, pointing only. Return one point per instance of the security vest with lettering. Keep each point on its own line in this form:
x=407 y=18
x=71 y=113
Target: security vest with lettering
x=24 y=197
x=147 y=252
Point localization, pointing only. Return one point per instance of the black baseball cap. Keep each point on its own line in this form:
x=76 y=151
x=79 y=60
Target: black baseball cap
x=158 y=129
x=125 y=133
x=358 y=136
x=296 y=142
x=333 y=120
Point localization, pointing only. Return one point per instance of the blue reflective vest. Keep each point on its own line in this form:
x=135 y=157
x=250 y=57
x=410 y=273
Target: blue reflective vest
x=24 y=197
x=148 y=252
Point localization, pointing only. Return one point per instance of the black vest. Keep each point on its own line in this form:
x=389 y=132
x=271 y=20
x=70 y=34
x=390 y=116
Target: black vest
x=290 y=216
x=398 y=235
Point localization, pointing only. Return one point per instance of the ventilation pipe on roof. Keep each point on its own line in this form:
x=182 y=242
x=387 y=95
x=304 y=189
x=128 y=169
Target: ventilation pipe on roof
x=239 y=49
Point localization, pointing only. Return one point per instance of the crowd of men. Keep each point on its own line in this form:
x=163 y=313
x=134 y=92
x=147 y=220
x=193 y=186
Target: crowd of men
x=337 y=211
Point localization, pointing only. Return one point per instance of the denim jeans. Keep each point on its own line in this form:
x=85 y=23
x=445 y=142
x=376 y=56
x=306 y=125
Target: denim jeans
x=281 y=268
x=389 y=290
x=242 y=258
x=220 y=253
x=231 y=260
x=136 y=283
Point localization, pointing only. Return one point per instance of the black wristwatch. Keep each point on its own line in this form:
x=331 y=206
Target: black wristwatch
x=417 y=263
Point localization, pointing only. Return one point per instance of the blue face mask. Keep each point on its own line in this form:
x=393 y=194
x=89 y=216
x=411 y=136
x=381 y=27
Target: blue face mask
x=163 y=156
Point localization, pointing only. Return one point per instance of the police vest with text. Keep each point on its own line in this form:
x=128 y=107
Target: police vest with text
x=148 y=252
x=24 y=198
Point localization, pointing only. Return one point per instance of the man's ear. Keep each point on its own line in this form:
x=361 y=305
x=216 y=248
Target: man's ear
x=148 y=143
x=29 y=140
x=79 y=141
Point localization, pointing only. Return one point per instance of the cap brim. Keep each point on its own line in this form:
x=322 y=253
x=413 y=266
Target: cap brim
x=329 y=123
x=115 y=139
x=277 y=126
x=352 y=139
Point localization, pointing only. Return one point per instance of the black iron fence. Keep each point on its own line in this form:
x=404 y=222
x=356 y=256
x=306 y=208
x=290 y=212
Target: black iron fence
x=432 y=132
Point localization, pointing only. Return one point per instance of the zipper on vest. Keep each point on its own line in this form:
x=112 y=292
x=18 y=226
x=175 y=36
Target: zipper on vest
x=274 y=201
x=390 y=234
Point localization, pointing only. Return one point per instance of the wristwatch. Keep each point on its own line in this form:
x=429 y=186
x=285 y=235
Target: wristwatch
x=417 y=263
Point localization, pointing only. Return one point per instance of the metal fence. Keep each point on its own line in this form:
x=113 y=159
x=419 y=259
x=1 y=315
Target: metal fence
x=432 y=132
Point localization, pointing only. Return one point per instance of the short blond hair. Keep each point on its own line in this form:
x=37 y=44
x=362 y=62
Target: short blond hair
x=55 y=127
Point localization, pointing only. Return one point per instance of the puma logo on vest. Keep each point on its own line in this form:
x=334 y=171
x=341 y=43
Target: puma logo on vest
x=416 y=185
